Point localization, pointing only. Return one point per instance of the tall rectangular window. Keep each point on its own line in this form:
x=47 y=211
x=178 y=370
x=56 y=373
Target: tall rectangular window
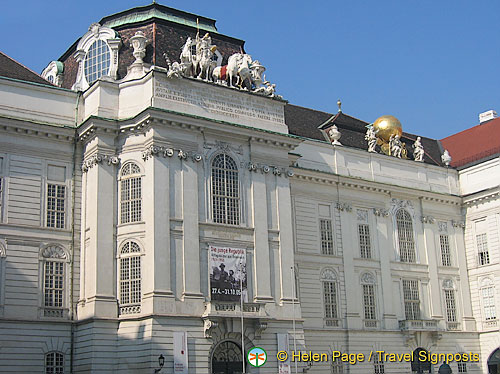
x=131 y=193
x=488 y=296
x=482 y=249
x=462 y=367
x=406 y=241
x=444 y=243
x=53 y=284
x=364 y=240
x=369 y=301
x=378 y=365
x=451 y=308
x=330 y=299
x=411 y=299
x=326 y=232
x=56 y=196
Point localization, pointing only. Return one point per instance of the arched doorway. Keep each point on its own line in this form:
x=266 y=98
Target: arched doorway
x=494 y=362
x=227 y=358
x=418 y=365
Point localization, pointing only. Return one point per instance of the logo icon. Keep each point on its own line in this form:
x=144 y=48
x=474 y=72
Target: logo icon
x=257 y=357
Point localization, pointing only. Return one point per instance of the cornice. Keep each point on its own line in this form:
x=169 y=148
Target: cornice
x=39 y=130
x=482 y=197
x=326 y=178
x=154 y=116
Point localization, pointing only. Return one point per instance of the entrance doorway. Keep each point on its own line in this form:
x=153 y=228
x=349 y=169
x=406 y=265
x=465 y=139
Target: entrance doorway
x=227 y=359
x=494 y=362
x=418 y=365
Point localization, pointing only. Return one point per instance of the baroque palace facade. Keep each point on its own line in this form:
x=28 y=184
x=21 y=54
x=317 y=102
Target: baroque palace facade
x=154 y=189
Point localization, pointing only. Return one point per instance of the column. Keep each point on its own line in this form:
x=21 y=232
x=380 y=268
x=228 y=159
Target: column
x=191 y=238
x=156 y=208
x=262 y=269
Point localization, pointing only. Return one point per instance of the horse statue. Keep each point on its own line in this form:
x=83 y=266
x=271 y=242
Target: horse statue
x=239 y=67
x=186 y=58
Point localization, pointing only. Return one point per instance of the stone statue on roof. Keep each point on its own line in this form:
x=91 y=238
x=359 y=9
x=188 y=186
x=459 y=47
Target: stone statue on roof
x=418 y=150
x=371 y=138
x=395 y=145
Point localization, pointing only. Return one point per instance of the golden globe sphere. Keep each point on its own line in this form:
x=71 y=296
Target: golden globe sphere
x=386 y=126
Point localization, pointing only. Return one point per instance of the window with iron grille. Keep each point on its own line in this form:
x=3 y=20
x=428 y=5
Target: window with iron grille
x=488 y=296
x=378 y=365
x=337 y=366
x=451 y=307
x=406 y=241
x=225 y=190
x=364 y=240
x=330 y=299
x=326 y=232
x=131 y=194
x=56 y=196
x=130 y=274
x=462 y=367
x=444 y=242
x=482 y=249
x=54 y=363
x=411 y=299
x=369 y=301
x=53 y=284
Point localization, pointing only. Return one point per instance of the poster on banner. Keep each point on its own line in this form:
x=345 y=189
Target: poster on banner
x=227 y=269
x=180 y=353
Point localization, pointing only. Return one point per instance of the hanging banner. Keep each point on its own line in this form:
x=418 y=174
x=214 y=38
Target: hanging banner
x=227 y=268
x=283 y=345
x=180 y=353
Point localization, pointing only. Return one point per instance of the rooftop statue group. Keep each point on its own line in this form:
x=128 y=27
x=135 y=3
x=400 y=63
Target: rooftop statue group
x=395 y=148
x=198 y=59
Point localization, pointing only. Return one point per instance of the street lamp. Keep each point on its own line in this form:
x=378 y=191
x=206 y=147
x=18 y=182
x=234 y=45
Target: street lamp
x=161 y=362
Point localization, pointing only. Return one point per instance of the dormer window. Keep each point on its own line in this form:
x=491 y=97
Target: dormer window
x=97 y=56
x=54 y=73
x=97 y=61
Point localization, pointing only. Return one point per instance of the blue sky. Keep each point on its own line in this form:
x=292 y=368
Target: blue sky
x=433 y=64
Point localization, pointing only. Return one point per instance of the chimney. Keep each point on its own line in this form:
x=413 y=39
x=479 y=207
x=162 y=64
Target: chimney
x=486 y=116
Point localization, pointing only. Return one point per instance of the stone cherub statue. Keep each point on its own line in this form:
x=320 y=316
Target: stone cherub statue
x=418 y=150
x=371 y=138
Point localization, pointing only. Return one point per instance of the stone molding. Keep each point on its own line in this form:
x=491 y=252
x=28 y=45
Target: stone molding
x=98 y=159
x=428 y=219
x=155 y=150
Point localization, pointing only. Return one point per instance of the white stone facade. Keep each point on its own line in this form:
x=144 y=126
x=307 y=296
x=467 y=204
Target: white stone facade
x=109 y=203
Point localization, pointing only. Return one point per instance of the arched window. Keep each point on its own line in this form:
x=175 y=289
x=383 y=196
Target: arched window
x=54 y=260
x=330 y=297
x=130 y=278
x=54 y=363
x=406 y=241
x=131 y=193
x=225 y=190
x=97 y=61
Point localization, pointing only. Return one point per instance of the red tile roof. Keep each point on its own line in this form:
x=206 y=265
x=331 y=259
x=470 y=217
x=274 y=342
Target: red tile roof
x=10 y=68
x=474 y=144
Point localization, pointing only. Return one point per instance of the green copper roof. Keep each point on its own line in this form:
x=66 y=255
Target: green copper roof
x=161 y=12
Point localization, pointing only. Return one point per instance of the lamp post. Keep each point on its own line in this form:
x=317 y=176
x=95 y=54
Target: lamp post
x=161 y=362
